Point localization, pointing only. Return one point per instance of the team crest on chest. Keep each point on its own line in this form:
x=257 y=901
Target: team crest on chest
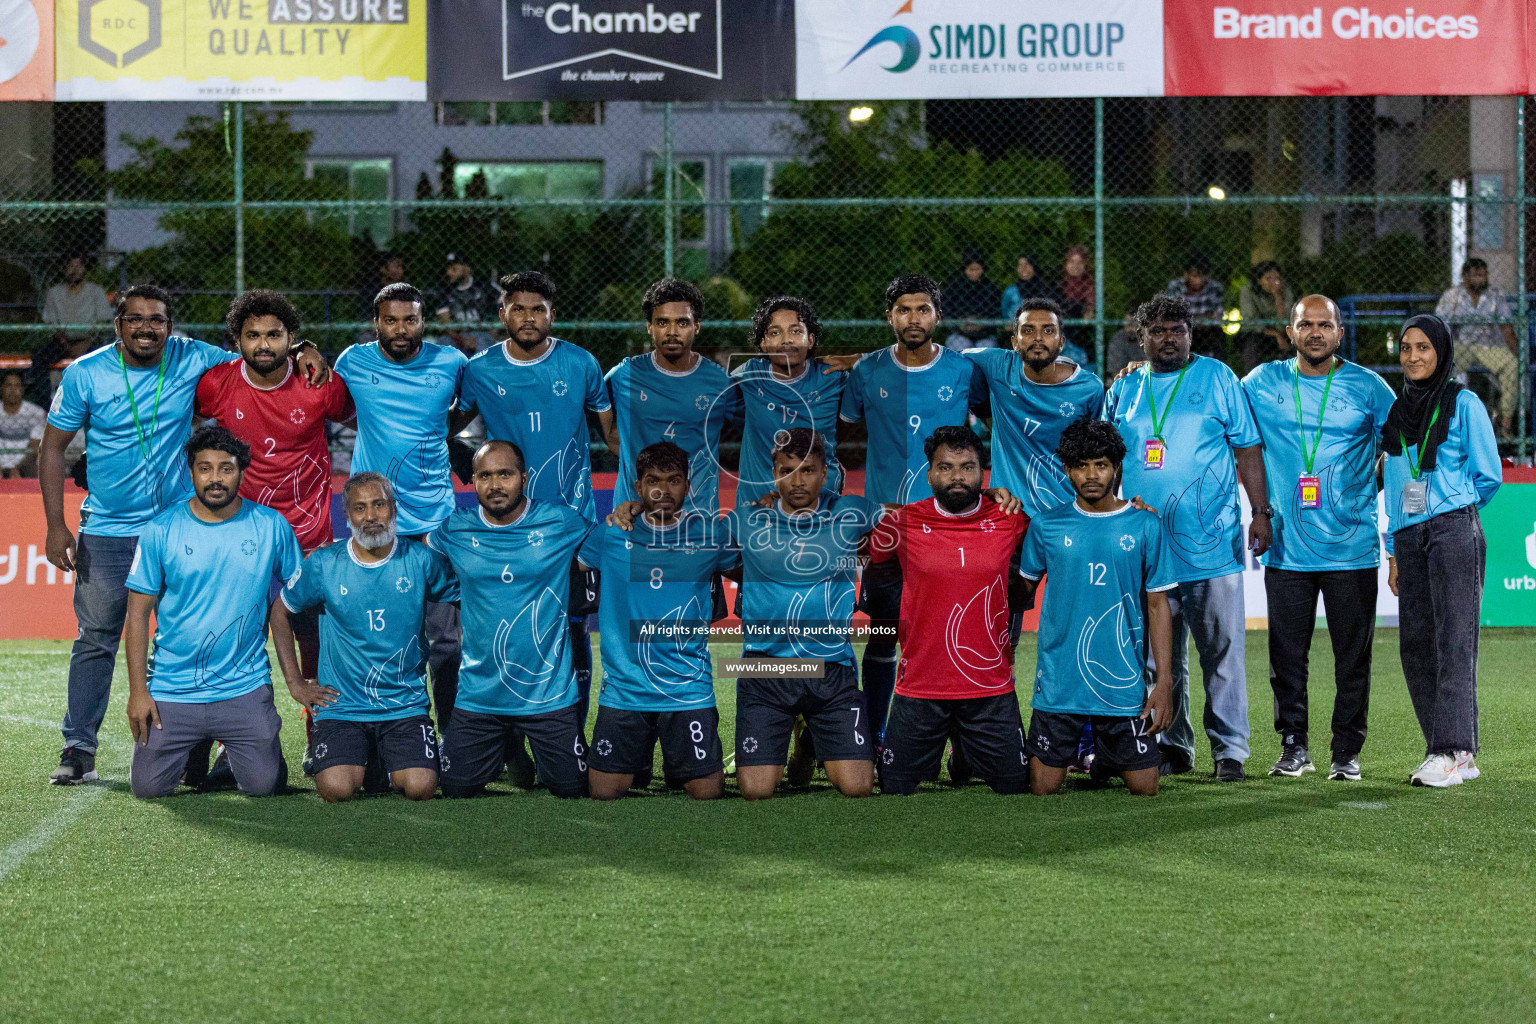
x=403 y=584
x=535 y=538
x=247 y=547
x=1066 y=408
x=946 y=393
x=296 y=417
x=1127 y=542
x=559 y=387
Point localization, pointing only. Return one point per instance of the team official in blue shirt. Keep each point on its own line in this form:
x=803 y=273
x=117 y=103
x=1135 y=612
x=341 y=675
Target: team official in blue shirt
x=673 y=393
x=134 y=399
x=1105 y=618
x=406 y=396
x=655 y=613
x=785 y=388
x=204 y=568
x=1321 y=418
x=372 y=697
x=1442 y=465
x=512 y=557
x=1183 y=418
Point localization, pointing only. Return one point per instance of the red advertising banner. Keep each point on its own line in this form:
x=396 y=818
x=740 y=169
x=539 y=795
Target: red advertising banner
x=1303 y=48
x=26 y=49
x=36 y=600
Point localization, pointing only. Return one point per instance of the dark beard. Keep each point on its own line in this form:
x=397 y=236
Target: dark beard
x=956 y=502
x=1315 y=362
x=902 y=337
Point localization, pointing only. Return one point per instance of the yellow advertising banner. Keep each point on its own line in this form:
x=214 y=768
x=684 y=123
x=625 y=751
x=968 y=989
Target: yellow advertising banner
x=241 y=49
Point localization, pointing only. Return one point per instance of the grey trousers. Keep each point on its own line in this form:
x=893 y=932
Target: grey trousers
x=1440 y=564
x=248 y=726
x=1213 y=613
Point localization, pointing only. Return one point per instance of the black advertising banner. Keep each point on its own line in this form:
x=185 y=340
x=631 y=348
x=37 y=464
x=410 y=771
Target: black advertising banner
x=611 y=50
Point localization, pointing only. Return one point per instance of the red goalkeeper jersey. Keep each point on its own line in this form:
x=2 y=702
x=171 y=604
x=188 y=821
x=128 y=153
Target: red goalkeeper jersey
x=954 y=597
x=285 y=427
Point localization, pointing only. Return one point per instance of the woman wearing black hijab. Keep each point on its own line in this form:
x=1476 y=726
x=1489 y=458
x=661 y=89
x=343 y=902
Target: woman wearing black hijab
x=1442 y=465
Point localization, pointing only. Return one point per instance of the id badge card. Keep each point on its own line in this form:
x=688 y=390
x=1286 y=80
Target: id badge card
x=1415 y=497
x=1309 y=492
x=1153 y=454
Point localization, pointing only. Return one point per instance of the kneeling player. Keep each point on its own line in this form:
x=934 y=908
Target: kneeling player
x=799 y=563
x=1107 y=598
x=956 y=669
x=654 y=616
x=373 y=672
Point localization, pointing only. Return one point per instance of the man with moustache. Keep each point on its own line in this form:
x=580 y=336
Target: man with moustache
x=1321 y=418
x=134 y=399
x=372 y=698
x=536 y=390
x=1183 y=418
x=956 y=675
x=406 y=396
x=512 y=556
x=902 y=394
x=203 y=568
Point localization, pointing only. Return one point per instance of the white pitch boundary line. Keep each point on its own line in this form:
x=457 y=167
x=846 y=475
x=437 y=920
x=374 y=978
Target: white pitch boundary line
x=13 y=856
x=42 y=723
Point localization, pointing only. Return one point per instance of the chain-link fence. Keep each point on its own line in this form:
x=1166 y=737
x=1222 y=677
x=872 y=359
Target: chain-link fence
x=1241 y=204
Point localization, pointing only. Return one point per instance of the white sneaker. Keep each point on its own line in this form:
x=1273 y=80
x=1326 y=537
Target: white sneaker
x=1466 y=765
x=1438 y=770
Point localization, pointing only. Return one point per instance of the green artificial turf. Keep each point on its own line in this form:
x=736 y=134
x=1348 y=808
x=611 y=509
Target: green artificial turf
x=1273 y=900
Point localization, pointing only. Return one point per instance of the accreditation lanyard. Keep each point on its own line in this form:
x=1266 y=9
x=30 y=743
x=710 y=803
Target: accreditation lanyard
x=1155 y=451
x=1309 y=490
x=138 y=426
x=1416 y=491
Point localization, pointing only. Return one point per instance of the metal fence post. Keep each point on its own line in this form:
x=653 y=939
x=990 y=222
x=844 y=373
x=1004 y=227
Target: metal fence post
x=1522 y=314
x=239 y=115
x=669 y=193
x=1098 y=233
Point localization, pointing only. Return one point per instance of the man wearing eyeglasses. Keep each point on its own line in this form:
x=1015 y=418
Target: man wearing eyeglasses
x=134 y=398
x=1183 y=418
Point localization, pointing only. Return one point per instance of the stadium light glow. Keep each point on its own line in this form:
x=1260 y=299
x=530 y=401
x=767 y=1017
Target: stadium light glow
x=858 y=115
x=1216 y=192
x=1232 y=321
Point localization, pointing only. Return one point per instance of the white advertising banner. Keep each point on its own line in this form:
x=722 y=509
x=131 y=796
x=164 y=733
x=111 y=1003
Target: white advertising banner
x=968 y=49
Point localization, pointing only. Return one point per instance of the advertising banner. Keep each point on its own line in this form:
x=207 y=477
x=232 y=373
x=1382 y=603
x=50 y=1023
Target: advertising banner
x=241 y=50
x=964 y=49
x=1509 y=526
x=36 y=600
x=612 y=49
x=1303 y=48
x=26 y=49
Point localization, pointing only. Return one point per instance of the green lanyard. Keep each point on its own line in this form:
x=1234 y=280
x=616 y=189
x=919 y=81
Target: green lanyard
x=1415 y=463
x=1157 y=424
x=1308 y=458
x=138 y=427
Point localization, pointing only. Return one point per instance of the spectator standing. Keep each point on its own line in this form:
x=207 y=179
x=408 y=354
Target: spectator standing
x=21 y=427
x=1076 y=295
x=1480 y=324
x=1028 y=285
x=466 y=300
x=1266 y=297
x=1204 y=296
x=1442 y=465
x=73 y=300
x=971 y=297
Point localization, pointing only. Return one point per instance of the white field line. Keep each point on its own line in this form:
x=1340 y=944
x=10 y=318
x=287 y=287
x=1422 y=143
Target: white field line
x=40 y=838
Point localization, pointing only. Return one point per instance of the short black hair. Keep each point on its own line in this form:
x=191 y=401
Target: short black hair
x=664 y=457
x=763 y=316
x=153 y=292
x=672 y=289
x=1041 y=303
x=495 y=443
x=8 y=374
x=528 y=281
x=1089 y=438
x=1197 y=261
x=959 y=439
x=218 y=439
x=1475 y=263
x=398 y=292
x=1163 y=306
x=913 y=284
x=1263 y=267
x=260 y=302
x=799 y=443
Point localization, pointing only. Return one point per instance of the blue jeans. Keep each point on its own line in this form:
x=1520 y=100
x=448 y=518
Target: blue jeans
x=101 y=605
x=1213 y=612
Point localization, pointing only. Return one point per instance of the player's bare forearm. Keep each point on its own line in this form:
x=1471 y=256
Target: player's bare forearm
x=50 y=472
x=142 y=712
x=609 y=422
x=1250 y=469
x=283 y=640
x=1027 y=590
x=1160 y=633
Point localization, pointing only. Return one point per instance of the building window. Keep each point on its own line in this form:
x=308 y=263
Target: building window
x=530 y=112
x=691 y=189
x=532 y=181
x=362 y=180
x=752 y=179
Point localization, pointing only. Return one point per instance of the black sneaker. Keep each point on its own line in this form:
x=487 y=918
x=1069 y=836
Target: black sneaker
x=75 y=766
x=221 y=776
x=1344 y=769
x=1293 y=763
x=195 y=774
x=960 y=770
x=1175 y=761
x=1229 y=770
